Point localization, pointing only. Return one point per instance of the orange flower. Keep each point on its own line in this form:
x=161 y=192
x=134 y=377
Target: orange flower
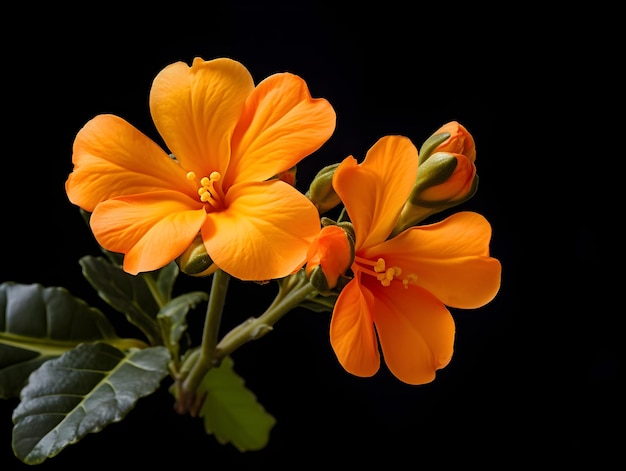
x=401 y=286
x=229 y=139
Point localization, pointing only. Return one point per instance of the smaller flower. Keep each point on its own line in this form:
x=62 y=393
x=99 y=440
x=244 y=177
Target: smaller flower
x=397 y=297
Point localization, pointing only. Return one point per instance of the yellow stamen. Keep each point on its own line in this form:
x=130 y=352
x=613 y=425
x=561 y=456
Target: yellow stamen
x=411 y=278
x=207 y=190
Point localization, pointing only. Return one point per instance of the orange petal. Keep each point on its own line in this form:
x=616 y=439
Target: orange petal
x=460 y=141
x=375 y=191
x=450 y=259
x=332 y=251
x=112 y=158
x=280 y=125
x=352 y=333
x=196 y=108
x=263 y=233
x=415 y=330
x=151 y=229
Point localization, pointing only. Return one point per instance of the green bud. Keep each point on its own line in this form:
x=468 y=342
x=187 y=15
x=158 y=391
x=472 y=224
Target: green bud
x=195 y=260
x=321 y=191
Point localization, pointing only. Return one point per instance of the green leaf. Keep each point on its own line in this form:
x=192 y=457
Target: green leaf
x=231 y=411
x=172 y=317
x=38 y=324
x=128 y=294
x=166 y=277
x=81 y=392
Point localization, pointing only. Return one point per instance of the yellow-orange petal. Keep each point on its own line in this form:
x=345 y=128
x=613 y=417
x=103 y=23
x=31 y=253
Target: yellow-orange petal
x=415 y=330
x=263 y=233
x=151 y=229
x=112 y=158
x=195 y=109
x=374 y=191
x=352 y=333
x=449 y=258
x=280 y=125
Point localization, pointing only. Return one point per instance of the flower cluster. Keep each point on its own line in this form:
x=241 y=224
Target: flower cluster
x=221 y=201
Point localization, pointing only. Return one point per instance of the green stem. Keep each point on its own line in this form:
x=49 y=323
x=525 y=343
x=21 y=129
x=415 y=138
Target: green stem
x=292 y=292
x=204 y=362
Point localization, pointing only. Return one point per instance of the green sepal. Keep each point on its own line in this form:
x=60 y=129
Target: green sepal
x=430 y=145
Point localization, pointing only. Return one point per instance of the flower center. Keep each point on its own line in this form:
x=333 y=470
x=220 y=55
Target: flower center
x=207 y=191
x=383 y=273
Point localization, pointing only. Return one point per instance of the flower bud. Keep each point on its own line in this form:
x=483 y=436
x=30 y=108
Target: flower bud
x=195 y=260
x=443 y=179
x=329 y=257
x=321 y=191
x=451 y=137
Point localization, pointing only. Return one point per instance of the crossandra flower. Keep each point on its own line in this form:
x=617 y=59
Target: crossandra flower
x=402 y=287
x=229 y=140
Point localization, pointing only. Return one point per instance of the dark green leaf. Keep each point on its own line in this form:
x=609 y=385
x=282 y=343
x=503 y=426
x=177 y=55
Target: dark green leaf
x=166 y=277
x=231 y=411
x=173 y=316
x=128 y=294
x=81 y=392
x=37 y=324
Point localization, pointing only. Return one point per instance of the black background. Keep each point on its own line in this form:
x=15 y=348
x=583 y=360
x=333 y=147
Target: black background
x=535 y=373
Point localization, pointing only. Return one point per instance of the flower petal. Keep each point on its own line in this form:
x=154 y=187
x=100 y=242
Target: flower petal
x=151 y=229
x=112 y=158
x=280 y=125
x=352 y=333
x=415 y=330
x=374 y=191
x=450 y=259
x=196 y=108
x=331 y=250
x=264 y=232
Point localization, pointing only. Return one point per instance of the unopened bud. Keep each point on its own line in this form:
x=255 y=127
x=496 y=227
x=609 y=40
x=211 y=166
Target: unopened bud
x=443 y=179
x=451 y=137
x=329 y=257
x=195 y=260
x=321 y=191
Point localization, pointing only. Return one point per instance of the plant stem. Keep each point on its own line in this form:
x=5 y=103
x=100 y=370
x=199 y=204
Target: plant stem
x=290 y=295
x=292 y=291
x=204 y=362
